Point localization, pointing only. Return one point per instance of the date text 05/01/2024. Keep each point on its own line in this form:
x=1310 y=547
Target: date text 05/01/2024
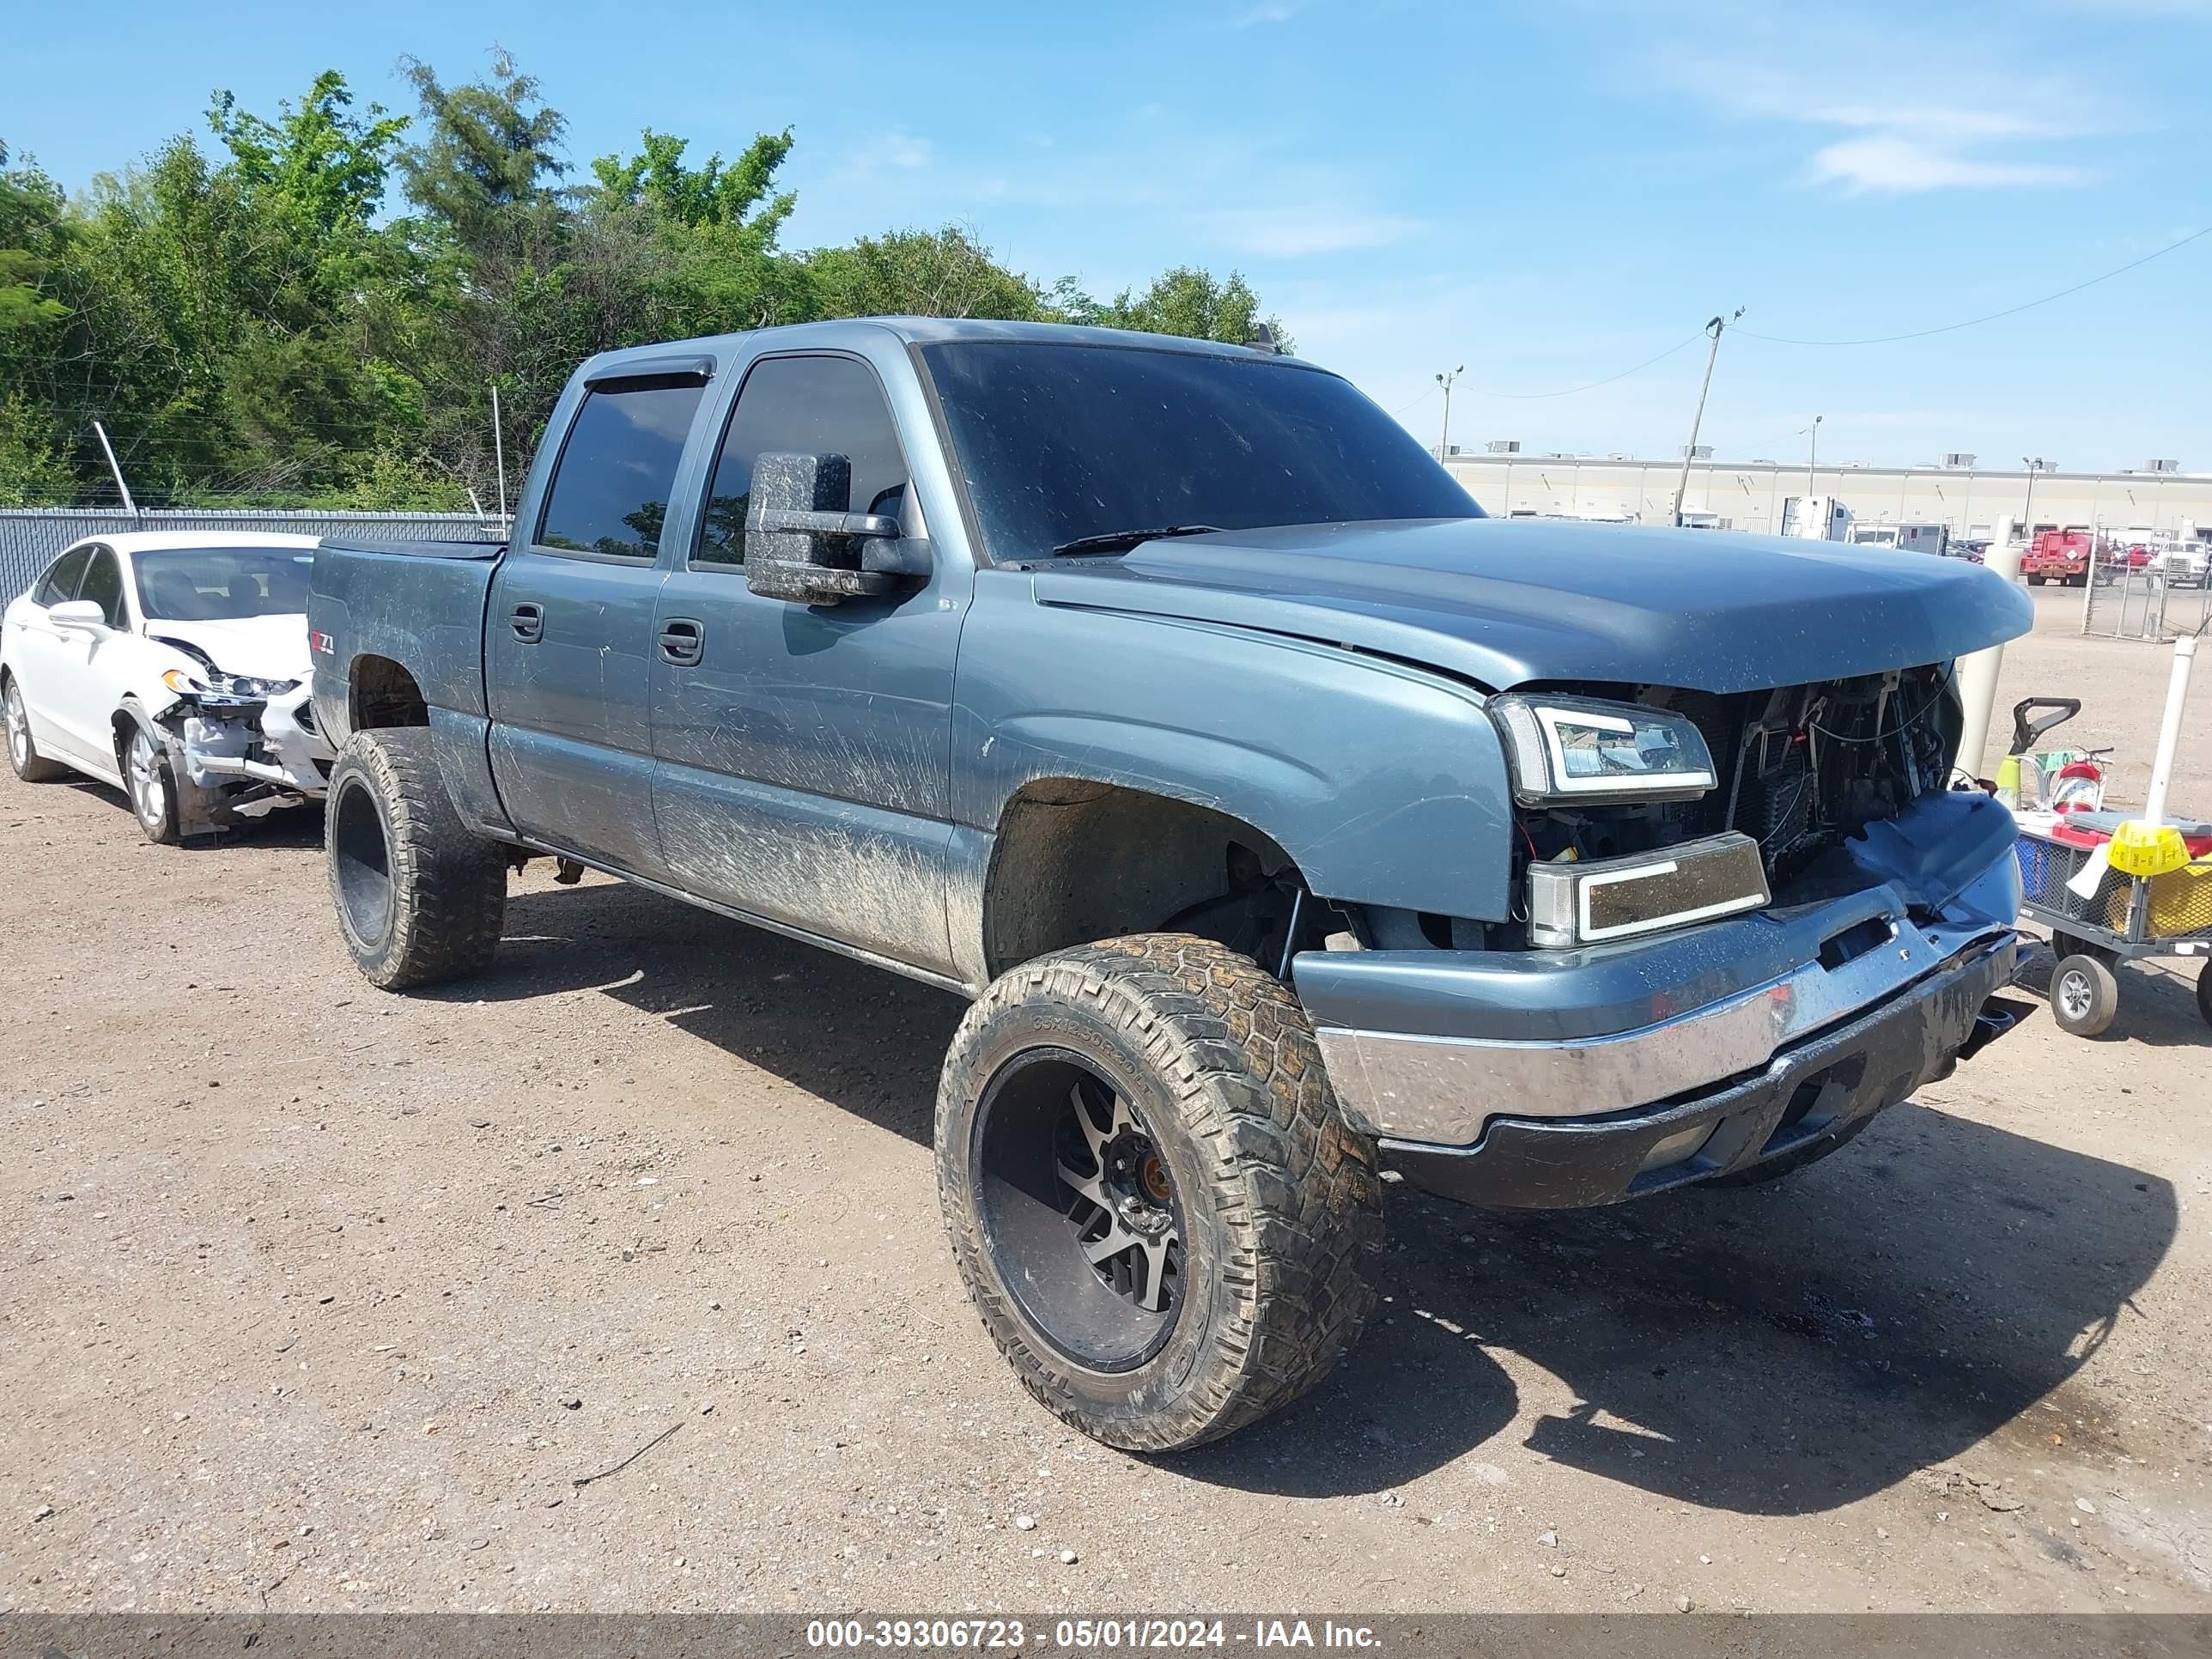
x=1130 y=1633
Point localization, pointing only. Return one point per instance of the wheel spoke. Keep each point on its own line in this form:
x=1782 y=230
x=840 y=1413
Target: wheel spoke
x=1152 y=1294
x=1092 y=1187
x=1118 y=1238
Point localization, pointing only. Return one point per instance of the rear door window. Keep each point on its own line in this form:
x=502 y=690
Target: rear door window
x=60 y=585
x=611 y=487
x=817 y=406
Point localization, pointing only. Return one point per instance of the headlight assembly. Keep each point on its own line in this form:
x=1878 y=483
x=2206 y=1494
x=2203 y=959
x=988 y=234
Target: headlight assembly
x=1566 y=749
x=220 y=687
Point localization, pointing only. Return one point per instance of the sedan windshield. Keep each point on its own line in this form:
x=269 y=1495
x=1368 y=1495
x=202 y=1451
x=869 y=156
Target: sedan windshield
x=210 y=584
x=1068 y=443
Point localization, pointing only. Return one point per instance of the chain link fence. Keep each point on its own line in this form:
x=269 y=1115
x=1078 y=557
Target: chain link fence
x=2153 y=593
x=31 y=538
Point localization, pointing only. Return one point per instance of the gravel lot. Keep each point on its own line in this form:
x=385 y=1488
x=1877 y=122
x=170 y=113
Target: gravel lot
x=317 y=1298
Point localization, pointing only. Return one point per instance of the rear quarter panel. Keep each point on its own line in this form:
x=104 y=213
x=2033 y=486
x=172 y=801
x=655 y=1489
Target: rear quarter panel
x=421 y=605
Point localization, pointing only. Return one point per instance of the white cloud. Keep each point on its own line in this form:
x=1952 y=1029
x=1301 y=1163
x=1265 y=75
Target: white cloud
x=1896 y=164
x=1907 y=109
x=1293 y=230
x=896 y=149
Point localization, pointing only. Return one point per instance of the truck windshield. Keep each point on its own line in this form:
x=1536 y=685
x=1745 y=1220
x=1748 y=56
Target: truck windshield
x=209 y=584
x=1061 y=442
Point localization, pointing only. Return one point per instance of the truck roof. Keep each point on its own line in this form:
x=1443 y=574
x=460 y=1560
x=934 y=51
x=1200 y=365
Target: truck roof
x=922 y=330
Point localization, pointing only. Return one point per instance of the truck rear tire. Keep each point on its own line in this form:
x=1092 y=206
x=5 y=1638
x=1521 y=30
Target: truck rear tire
x=420 y=897
x=1167 y=1227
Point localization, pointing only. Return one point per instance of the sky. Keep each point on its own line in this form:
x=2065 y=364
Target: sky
x=1546 y=194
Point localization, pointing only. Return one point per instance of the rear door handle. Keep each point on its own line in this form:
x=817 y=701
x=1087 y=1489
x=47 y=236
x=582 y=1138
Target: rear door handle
x=683 y=642
x=528 y=622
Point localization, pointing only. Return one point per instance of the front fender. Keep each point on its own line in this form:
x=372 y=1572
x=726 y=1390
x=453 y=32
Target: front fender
x=1385 y=782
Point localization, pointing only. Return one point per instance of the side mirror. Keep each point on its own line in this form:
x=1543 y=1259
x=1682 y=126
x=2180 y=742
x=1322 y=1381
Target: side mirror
x=77 y=613
x=803 y=542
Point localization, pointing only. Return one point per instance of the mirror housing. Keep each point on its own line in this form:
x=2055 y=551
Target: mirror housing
x=803 y=542
x=77 y=613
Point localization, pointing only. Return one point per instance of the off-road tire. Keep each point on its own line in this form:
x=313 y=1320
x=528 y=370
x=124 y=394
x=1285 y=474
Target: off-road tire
x=445 y=886
x=23 y=753
x=1281 y=1201
x=2204 y=992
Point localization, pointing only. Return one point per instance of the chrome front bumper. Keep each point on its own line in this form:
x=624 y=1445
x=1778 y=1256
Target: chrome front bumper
x=1444 y=1088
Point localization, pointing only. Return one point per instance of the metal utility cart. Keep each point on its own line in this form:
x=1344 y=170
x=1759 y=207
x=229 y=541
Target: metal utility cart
x=2124 y=919
x=2113 y=889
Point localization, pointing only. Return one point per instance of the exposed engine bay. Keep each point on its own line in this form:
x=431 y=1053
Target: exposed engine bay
x=244 y=745
x=1800 y=770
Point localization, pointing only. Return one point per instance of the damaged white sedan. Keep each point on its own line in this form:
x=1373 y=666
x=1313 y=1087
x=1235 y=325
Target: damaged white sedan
x=174 y=665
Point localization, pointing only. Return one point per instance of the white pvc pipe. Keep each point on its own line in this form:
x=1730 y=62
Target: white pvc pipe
x=1977 y=670
x=2169 y=730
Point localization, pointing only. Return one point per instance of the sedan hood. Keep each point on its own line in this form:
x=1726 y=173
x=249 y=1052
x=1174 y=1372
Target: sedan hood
x=264 y=647
x=1504 y=602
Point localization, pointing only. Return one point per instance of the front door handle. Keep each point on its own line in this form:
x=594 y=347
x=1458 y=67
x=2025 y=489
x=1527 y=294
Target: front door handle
x=528 y=622
x=683 y=642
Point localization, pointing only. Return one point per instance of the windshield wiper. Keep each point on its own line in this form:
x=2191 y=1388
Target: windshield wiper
x=1121 y=541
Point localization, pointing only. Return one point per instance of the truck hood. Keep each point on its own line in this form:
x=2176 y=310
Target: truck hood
x=264 y=647
x=1504 y=602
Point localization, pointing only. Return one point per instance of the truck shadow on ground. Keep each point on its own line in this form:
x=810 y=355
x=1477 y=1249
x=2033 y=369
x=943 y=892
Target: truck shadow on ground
x=1775 y=1350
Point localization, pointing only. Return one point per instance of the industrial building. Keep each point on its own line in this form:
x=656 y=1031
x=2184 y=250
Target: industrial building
x=1972 y=501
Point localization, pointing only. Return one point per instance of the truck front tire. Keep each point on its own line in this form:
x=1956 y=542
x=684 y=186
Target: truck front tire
x=420 y=897
x=1167 y=1227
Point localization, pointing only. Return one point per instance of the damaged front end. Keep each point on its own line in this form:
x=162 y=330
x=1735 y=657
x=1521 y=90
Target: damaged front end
x=1796 y=926
x=240 y=746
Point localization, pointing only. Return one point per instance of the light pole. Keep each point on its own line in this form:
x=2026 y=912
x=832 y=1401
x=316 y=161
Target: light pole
x=1812 y=462
x=2027 y=507
x=1444 y=440
x=1716 y=329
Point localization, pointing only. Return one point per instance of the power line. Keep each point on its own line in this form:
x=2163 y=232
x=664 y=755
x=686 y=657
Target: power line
x=2009 y=311
x=1569 y=392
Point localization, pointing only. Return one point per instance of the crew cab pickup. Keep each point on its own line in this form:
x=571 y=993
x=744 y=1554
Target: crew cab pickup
x=1284 y=817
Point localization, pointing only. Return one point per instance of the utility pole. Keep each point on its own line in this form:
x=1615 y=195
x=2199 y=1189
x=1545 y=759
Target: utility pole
x=499 y=454
x=1443 y=441
x=108 y=450
x=1715 y=328
x=1813 y=454
x=2027 y=507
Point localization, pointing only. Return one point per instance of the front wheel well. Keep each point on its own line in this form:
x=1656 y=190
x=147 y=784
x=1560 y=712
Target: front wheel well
x=1076 y=861
x=383 y=695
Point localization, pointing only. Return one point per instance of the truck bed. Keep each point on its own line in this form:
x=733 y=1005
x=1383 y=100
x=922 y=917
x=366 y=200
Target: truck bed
x=416 y=550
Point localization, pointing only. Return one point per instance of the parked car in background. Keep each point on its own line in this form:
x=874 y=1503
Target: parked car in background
x=174 y=666
x=2184 y=560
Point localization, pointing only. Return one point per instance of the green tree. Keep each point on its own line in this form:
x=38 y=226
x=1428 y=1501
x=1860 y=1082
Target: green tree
x=492 y=148
x=1185 y=300
x=321 y=170
x=922 y=273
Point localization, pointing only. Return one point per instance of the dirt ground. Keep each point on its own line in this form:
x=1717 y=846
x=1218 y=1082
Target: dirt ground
x=318 y=1299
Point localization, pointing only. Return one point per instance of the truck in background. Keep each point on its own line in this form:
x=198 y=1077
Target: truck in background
x=1815 y=518
x=1918 y=537
x=2059 y=555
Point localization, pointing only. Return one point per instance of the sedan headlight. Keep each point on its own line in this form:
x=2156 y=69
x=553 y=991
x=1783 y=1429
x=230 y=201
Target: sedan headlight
x=186 y=684
x=1565 y=750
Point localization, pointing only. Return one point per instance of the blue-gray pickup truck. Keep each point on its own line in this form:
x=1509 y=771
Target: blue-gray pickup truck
x=1285 y=818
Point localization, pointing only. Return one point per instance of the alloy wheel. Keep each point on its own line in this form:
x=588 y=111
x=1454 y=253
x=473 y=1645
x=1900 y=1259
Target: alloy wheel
x=149 y=793
x=19 y=729
x=1079 y=1210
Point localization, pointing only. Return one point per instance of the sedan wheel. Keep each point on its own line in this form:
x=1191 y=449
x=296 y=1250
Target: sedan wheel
x=152 y=788
x=24 y=754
